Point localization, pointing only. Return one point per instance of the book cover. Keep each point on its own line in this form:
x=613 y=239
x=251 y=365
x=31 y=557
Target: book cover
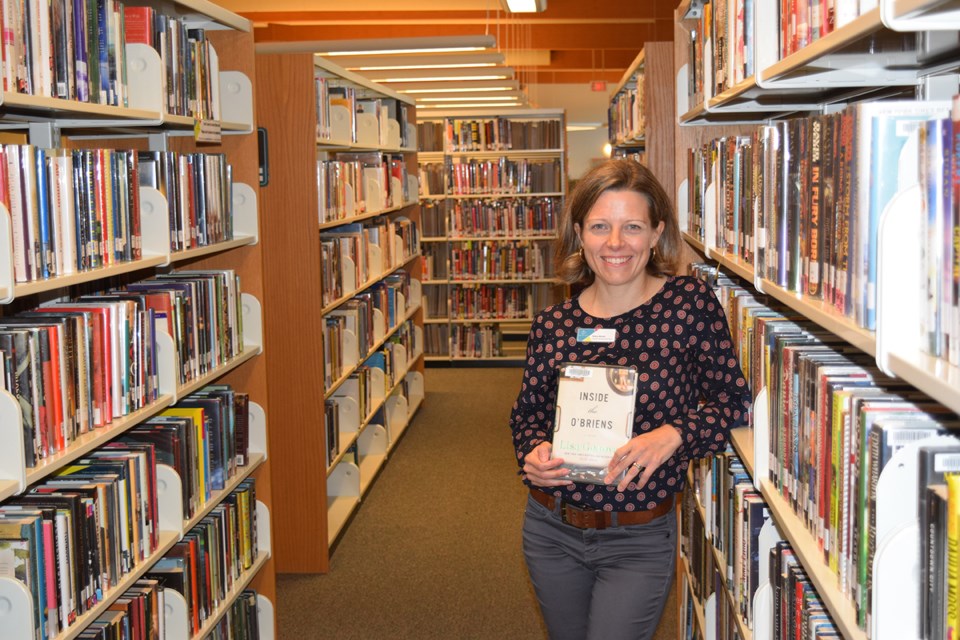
x=594 y=417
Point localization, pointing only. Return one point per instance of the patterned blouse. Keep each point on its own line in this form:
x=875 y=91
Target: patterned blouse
x=680 y=344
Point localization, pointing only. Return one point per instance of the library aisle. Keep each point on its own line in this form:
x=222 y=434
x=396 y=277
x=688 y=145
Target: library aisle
x=435 y=551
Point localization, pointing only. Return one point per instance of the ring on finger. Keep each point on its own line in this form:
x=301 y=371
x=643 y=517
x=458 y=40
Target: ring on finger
x=639 y=467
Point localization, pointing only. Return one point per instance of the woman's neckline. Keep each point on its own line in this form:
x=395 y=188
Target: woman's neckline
x=631 y=310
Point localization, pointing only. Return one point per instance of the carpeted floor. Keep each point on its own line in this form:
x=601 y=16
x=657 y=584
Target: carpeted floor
x=434 y=550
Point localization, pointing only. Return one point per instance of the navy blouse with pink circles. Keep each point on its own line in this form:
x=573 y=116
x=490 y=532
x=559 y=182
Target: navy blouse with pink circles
x=689 y=377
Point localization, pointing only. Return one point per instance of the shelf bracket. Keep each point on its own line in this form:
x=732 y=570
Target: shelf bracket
x=44 y=134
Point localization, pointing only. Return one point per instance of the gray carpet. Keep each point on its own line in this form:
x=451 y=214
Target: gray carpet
x=434 y=550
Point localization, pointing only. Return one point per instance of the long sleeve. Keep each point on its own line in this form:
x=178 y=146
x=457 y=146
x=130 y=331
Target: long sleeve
x=717 y=375
x=532 y=416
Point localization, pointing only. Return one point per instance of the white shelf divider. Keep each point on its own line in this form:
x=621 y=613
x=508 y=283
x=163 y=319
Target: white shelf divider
x=266 y=617
x=155 y=224
x=257 y=426
x=16 y=606
x=252 y=322
x=6 y=256
x=896 y=563
x=245 y=212
x=236 y=100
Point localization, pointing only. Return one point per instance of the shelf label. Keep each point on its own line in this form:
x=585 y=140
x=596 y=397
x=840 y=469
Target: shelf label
x=206 y=131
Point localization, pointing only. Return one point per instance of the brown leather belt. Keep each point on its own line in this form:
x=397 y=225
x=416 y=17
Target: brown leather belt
x=592 y=519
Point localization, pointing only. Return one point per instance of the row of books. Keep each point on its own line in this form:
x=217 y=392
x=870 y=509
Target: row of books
x=339 y=108
x=475 y=341
x=430 y=136
x=727 y=28
x=70 y=210
x=77 y=534
x=503 y=176
x=198 y=188
x=487 y=260
x=77 y=210
x=80 y=531
x=834 y=424
x=360 y=391
x=353 y=254
x=502 y=134
x=204 y=565
x=75 y=366
x=66 y=49
x=626 y=115
x=360 y=316
x=806 y=197
x=204 y=438
x=432 y=179
x=353 y=184
x=189 y=62
x=734 y=513
x=491 y=218
x=241 y=621
x=135 y=615
x=477 y=302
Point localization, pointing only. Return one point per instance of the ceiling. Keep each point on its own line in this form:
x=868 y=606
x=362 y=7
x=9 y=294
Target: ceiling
x=576 y=41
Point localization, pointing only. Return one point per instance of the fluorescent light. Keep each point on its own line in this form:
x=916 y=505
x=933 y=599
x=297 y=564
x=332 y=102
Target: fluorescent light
x=441 y=75
x=434 y=61
x=467 y=86
x=473 y=98
x=469 y=105
x=387 y=46
x=524 y=6
x=582 y=126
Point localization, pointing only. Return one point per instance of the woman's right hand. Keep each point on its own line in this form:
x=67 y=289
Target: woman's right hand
x=541 y=470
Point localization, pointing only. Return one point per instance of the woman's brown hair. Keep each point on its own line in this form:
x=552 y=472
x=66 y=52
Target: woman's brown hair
x=617 y=175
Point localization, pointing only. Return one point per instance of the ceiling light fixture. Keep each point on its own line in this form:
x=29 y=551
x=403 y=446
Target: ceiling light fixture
x=469 y=105
x=388 y=46
x=467 y=86
x=434 y=61
x=441 y=75
x=524 y=6
x=473 y=98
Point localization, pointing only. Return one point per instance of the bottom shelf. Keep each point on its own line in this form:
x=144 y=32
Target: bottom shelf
x=339 y=510
x=175 y=607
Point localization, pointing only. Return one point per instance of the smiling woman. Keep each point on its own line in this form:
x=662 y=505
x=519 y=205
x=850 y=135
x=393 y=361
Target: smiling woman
x=601 y=552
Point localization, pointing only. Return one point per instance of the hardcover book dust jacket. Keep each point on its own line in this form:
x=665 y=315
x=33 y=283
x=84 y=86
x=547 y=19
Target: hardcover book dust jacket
x=595 y=406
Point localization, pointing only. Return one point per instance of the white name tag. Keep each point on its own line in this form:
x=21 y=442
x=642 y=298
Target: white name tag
x=596 y=335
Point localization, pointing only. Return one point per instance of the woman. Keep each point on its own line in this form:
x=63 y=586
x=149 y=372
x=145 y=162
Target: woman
x=601 y=556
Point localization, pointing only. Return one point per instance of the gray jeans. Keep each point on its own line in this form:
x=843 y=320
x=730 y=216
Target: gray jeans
x=610 y=584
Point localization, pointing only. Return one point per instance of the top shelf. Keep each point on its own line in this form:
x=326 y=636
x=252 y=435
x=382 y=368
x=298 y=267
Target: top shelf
x=862 y=57
x=204 y=11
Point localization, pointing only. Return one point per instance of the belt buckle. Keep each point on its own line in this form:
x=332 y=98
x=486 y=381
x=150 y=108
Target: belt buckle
x=566 y=509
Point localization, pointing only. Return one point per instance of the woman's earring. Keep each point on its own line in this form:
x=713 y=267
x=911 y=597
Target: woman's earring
x=580 y=251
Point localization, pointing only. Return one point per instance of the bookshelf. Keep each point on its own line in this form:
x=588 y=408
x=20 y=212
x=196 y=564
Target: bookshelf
x=903 y=49
x=641 y=122
x=492 y=192
x=148 y=123
x=348 y=373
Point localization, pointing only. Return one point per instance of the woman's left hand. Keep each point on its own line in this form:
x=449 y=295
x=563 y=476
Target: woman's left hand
x=643 y=455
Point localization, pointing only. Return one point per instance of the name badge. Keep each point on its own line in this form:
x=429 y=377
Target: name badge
x=596 y=335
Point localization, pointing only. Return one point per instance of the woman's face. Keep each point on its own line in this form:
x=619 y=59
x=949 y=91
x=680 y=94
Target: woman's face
x=618 y=237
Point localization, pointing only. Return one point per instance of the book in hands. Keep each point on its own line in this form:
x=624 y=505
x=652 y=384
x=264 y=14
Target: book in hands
x=594 y=418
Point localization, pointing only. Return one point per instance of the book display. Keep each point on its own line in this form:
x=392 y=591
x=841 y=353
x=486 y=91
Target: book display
x=831 y=195
x=492 y=192
x=348 y=375
x=133 y=397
